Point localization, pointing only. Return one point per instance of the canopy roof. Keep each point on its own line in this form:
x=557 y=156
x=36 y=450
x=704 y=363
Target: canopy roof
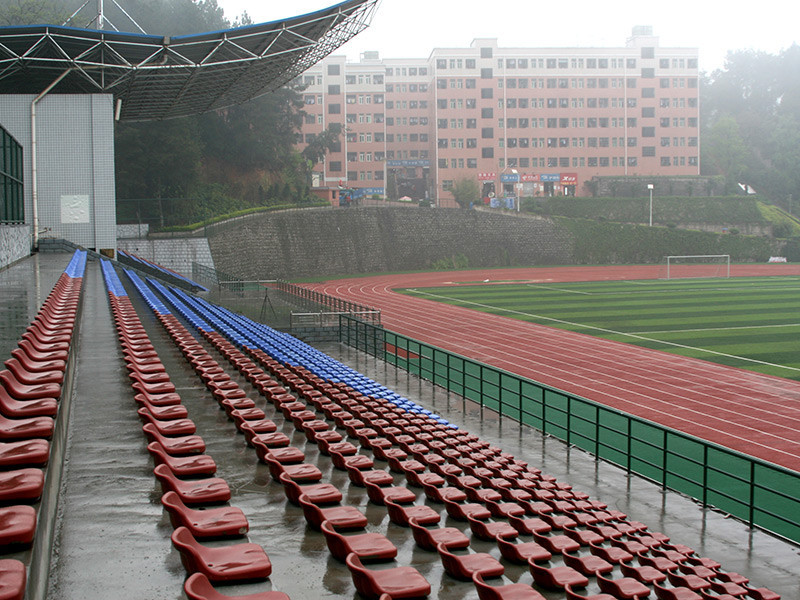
x=158 y=77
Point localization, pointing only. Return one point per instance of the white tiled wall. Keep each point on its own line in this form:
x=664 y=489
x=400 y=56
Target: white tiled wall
x=75 y=152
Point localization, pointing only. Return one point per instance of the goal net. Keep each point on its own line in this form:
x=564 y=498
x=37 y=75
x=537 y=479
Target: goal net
x=698 y=265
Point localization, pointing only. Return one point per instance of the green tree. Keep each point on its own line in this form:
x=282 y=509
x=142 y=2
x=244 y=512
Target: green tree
x=466 y=192
x=725 y=151
x=322 y=143
x=33 y=12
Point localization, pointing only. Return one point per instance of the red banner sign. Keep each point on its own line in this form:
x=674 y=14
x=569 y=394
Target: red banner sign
x=487 y=176
x=569 y=179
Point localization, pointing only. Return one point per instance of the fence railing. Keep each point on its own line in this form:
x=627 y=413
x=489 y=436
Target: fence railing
x=314 y=300
x=757 y=492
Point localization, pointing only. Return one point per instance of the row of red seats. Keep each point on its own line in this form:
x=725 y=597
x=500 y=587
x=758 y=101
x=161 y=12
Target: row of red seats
x=499 y=497
x=511 y=493
x=193 y=497
x=30 y=390
x=301 y=480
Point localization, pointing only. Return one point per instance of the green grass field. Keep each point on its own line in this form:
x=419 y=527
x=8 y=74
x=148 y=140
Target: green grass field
x=752 y=323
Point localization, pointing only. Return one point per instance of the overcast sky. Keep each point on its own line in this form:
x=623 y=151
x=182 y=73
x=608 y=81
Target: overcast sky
x=412 y=28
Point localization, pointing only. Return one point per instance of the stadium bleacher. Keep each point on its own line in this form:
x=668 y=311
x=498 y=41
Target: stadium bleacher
x=490 y=520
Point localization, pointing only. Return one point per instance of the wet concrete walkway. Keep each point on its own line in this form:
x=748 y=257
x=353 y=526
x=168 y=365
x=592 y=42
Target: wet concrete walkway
x=113 y=537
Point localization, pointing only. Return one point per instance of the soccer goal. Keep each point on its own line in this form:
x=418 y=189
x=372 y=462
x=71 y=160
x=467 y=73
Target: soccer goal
x=698 y=265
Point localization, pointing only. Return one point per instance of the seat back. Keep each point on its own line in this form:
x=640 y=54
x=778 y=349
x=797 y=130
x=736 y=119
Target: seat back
x=485 y=591
x=311 y=511
x=362 y=578
x=188 y=547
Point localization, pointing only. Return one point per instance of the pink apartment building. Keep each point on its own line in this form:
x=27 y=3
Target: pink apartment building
x=520 y=121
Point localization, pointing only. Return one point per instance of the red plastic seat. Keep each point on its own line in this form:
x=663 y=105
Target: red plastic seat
x=168 y=427
x=196 y=491
x=644 y=573
x=198 y=587
x=511 y=591
x=762 y=593
x=611 y=554
x=340 y=517
x=491 y=530
x=302 y=472
x=675 y=593
x=523 y=553
x=191 y=465
x=22 y=391
x=148 y=399
x=17 y=525
x=460 y=512
x=13 y=579
x=397 y=494
x=528 y=526
x=24 y=453
x=21 y=485
x=361 y=476
x=428 y=539
x=164 y=412
x=396 y=583
x=28 y=377
x=626 y=588
x=693 y=582
x=214 y=522
x=316 y=493
x=462 y=566
x=556 y=543
x=237 y=562
x=22 y=409
x=367 y=546
x=588 y=564
x=176 y=446
x=555 y=578
x=38 y=354
x=573 y=595
x=401 y=514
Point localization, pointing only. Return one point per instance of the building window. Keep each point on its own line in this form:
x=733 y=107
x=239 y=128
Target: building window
x=334 y=109
x=333 y=69
x=486 y=52
x=487 y=73
x=648 y=52
x=487 y=133
x=487 y=152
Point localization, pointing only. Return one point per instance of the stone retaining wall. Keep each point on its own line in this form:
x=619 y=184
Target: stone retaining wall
x=332 y=242
x=176 y=254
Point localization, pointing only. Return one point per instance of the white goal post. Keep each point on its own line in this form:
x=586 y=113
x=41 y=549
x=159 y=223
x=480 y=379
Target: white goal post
x=698 y=265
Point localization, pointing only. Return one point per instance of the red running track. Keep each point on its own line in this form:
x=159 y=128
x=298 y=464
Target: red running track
x=753 y=413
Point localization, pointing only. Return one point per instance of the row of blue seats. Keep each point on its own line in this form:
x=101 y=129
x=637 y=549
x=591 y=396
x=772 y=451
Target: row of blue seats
x=249 y=334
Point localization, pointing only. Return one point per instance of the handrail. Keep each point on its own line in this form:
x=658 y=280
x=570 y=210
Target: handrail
x=315 y=300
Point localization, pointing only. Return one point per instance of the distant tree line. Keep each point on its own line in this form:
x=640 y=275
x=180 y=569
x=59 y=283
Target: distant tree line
x=750 y=115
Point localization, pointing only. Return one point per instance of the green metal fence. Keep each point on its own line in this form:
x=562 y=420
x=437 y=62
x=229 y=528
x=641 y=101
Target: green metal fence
x=761 y=494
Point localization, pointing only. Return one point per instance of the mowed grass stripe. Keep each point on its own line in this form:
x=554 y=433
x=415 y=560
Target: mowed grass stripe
x=717 y=320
